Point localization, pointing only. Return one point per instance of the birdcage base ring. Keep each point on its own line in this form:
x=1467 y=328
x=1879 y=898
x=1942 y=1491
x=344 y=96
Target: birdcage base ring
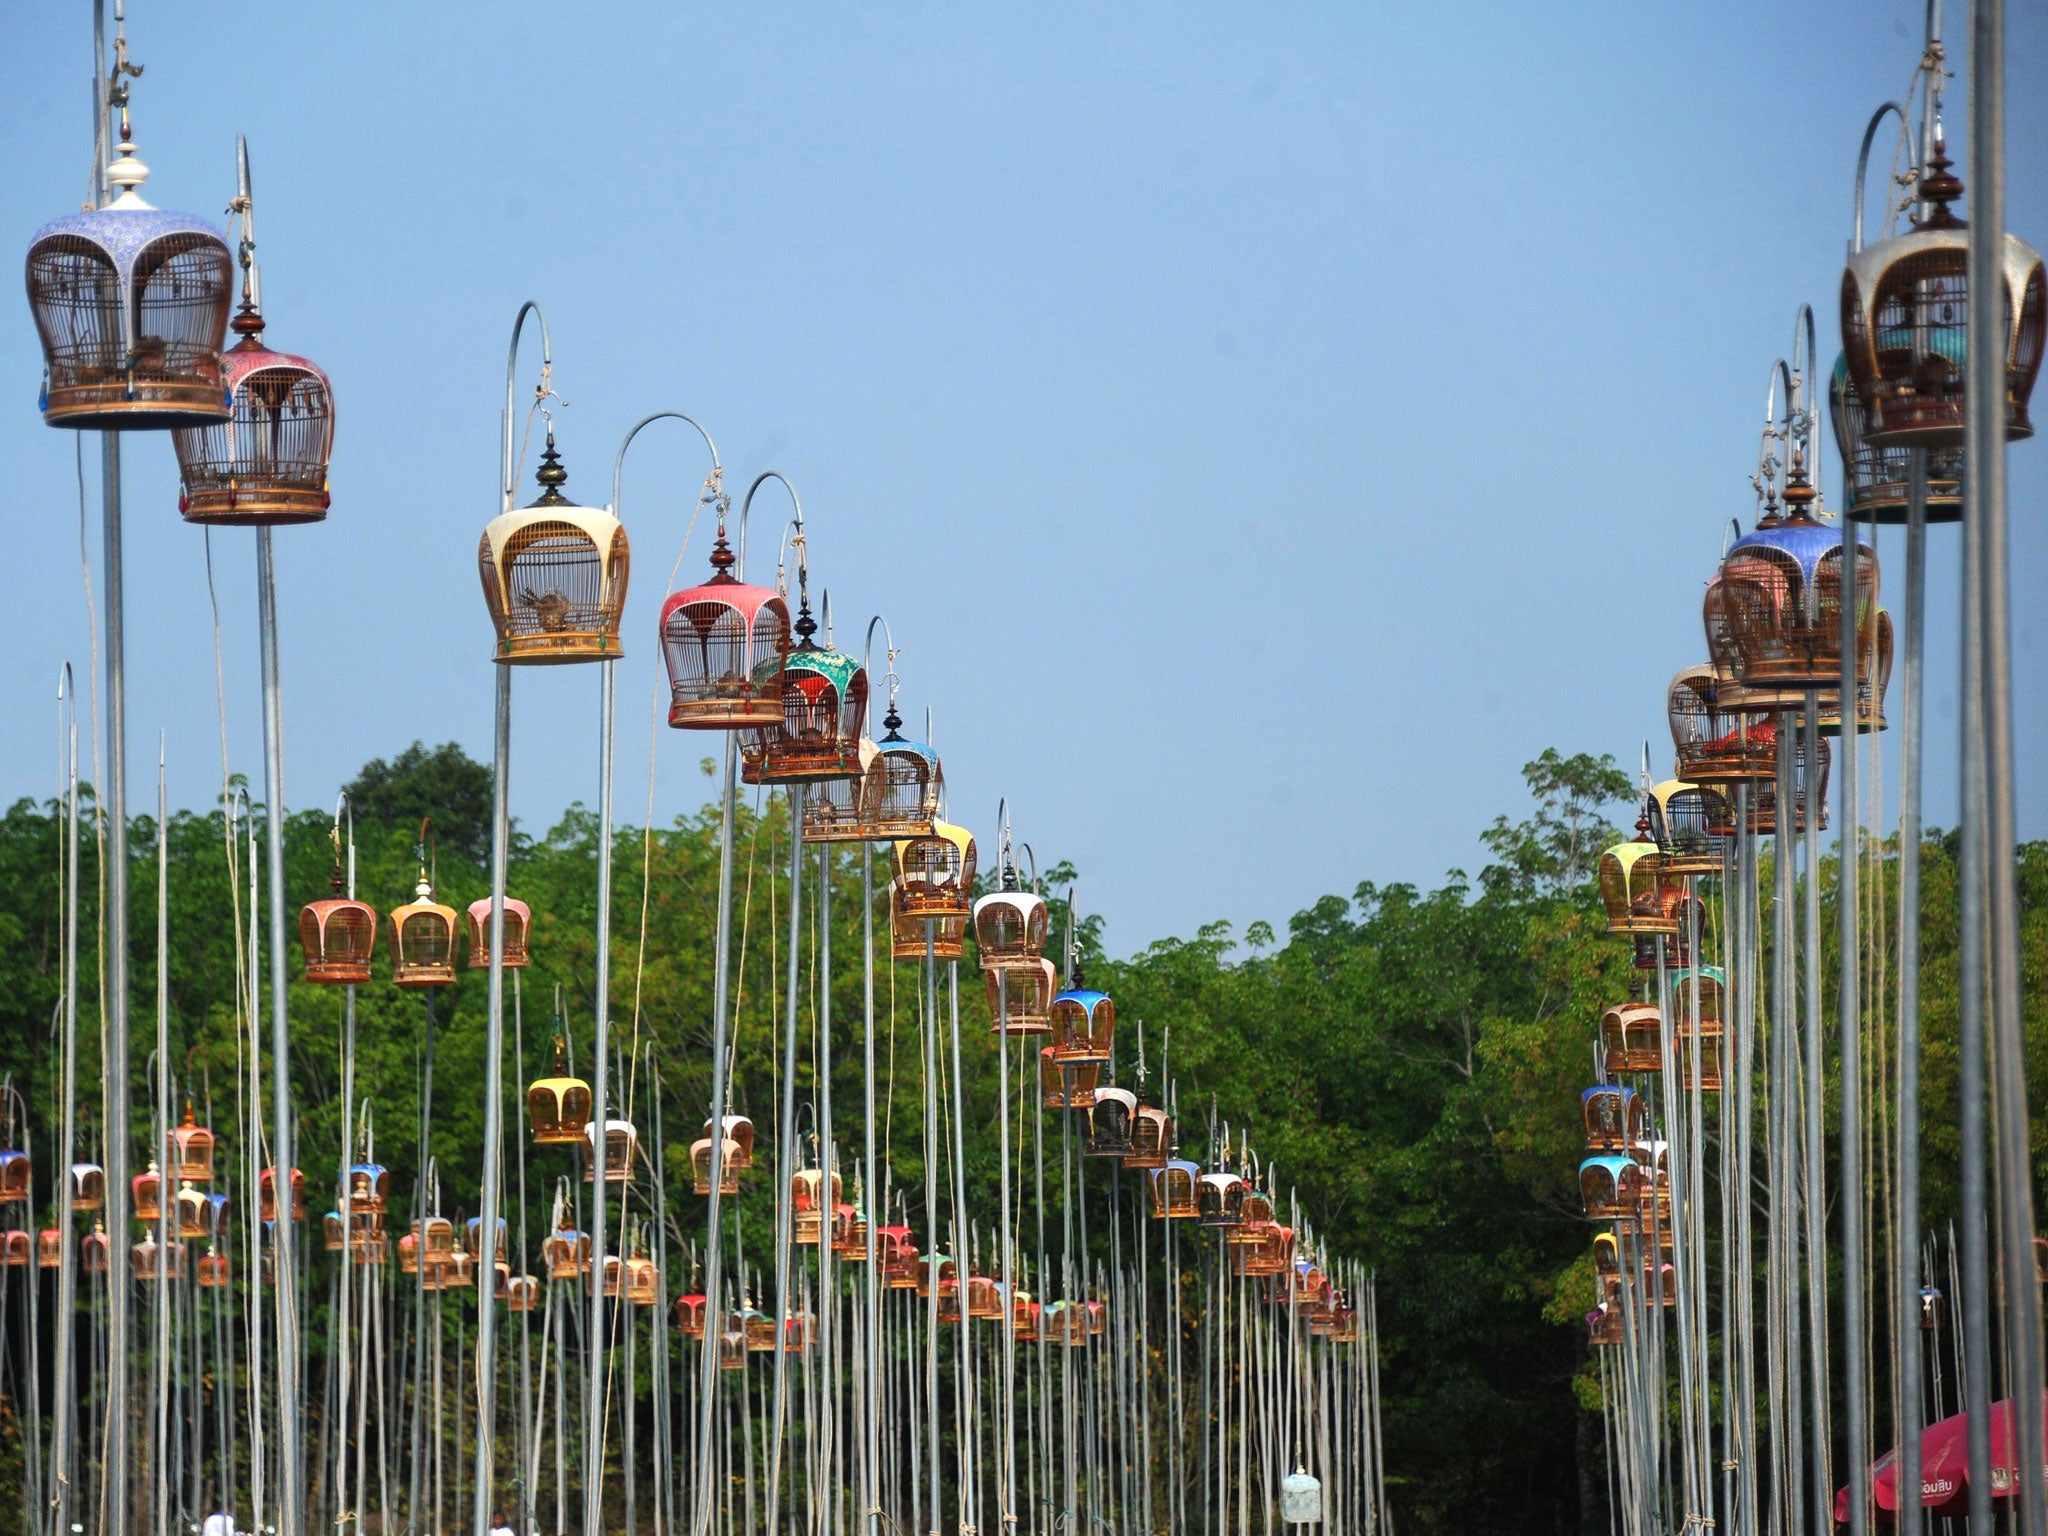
x=246 y=507
x=558 y=649
x=116 y=406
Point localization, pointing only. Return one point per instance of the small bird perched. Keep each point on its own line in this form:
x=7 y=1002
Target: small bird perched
x=551 y=608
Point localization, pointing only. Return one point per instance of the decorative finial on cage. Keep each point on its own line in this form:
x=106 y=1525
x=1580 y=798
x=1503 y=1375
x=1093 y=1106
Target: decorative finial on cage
x=1940 y=186
x=338 y=881
x=551 y=475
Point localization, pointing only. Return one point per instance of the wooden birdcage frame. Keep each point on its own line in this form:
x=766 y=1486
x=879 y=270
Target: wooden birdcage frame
x=1173 y=1190
x=1083 y=1026
x=1710 y=982
x=190 y=1212
x=1066 y=1084
x=1876 y=478
x=824 y=700
x=1673 y=951
x=423 y=942
x=131 y=308
x=1219 y=1201
x=1873 y=678
x=145 y=1190
x=338 y=935
x=1612 y=1114
x=1716 y=742
x=566 y=1253
x=693 y=1314
x=368 y=1188
x=518 y=925
x=1658 y=1284
x=1606 y=1257
x=808 y=1202
x=1258 y=1215
x=333 y=1232
x=265 y=463
x=191 y=1150
x=1153 y=1138
x=832 y=807
x=1905 y=324
x=722 y=644
x=522 y=1293
x=1604 y=1329
x=897 y=1253
x=16 y=1180
x=1641 y=897
x=1781 y=594
x=909 y=936
x=903 y=787
x=1684 y=820
x=266 y=1194
x=614 y=1276
x=473 y=1237
x=934 y=874
x=729 y=1165
x=621 y=1150
x=1699 y=1059
x=88 y=1186
x=554 y=577
x=1653 y=1162
x=796 y=1333
x=942 y=1271
x=1020 y=996
x=1806 y=793
x=1609 y=1186
x=1065 y=1323
x=558 y=1107
x=50 y=1248
x=850 y=1232
x=760 y=1331
x=1010 y=929
x=1024 y=1319
x=1632 y=1037
x=17 y=1248
x=148 y=1262
x=732 y=1350
x=985 y=1298
x=1271 y=1255
x=96 y=1251
x=1110 y=1119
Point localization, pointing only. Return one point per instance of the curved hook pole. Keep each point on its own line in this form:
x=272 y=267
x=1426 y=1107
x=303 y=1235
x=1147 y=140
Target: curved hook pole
x=1863 y=168
x=867 y=653
x=619 y=460
x=541 y=390
x=1803 y=420
x=747 y=502
x=345 y=810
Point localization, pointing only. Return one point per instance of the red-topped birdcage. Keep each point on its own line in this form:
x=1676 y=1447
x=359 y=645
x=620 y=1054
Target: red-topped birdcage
x=266 y=1194
x=1641 y=896
x=808 y=1202
x=338 y=933
x=1173 y=1189
x=1067 y=1084
x=723 y=644
x=554 y=575
x=1613 y=1115
x=96 y=1251
x=896 y=1251
x=50 y=1248
x=1688 y=822
x=423 y=930
x=518 y=922
x=850 y=1230
x=1110 y=1119
x=824 y=699
x=1873 y=679
x=215 y=1270
x=1632 y=1037
x=1876 y=478
x=692 y=1314
x=1720 y=740
x=1153 y=1138
x=559 y=1105
x=1780 y=594
x=621 y=1149
x=145 y=1190
x=131 y=307
x=191 y=1150
x=1270 y=1254
x=265 y=463
x=1905 y=322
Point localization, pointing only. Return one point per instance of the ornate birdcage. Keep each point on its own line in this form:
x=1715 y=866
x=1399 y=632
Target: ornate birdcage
x=1632 y=1037
x=808 y=1203
x=850 y=1231
x=737 y=1153
x=339 y=933
x=1110 y=1119
x=796 y=1333
x=985 y=1298
x=1876 y=484
x=1653 y=1189
x=1173 y=1190
x=218 y=1218
x=1024 y=1318
x=266 y=1194
x=832 y=807
x=1781 y=596
x=558 y=1106
x=566 y=1253
x=1659 y=1284
x=614 y=1274
x=17 y=1248
x=1219 y=1200
x=1065 y=1323
x=554 y=575
x=15 y=1177
x=145 y=1190
x=1604 y=1327
x=1613 y=1116
x=265 y=463
x=1873 y=679
x=934 y=876
x=1153 y=1138
x=621 y=1148
x=723 y=644
x=1684 y=819
x=423 y=930
x=368 y=1188
x=50 y=1248
x=1717 y=742
x=88 y=1186
x=1606 y=1257
x=912 y=938
x=1905 y=323
x=1707 y=983
x=760 y=1330
x=732 y=1349
x=148 y=1262
x=191 y=1211
x=1699 y=1064
x=1641 y=897
x=941 y=1272
x=902 y=788
x=1270 y=1255
x=1020 y=997
x=897 y=1254
x=824 y=699
x=1009 y=927
x=334 y=1232
x=1067 y=1084
x=1809 y=791
x=95 y=1251
x=1609 y=1186
x=191 y=1150
x=1258 y=1216
x=1083 y=1024
x=131 y=307
x=692 y=1313
x=521 y=1293
x=518 y=923
x=473 y=1237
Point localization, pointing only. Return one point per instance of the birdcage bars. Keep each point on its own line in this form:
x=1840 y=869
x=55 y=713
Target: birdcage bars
x=1110 y=1121
x=1684 y=821
x=621 y=1145
x=1066 y=1085
x=897 y=1253
x=1873 y=678
x=692 y=1314
x=50 y=1248
x=934 y=874
x=1640 y=896
x=191 y=1150
x=266 y=1194
x=88 y=1186
x=1173 y=1190
x=1020 y=996
x=265 y=463
x=1631 y=1036
x=1781 y=594
x=1876 y=477
x=518 y=923
x=908 y=936
x=1153 y=1138
x=554 y=576
x=1613 y=1115
x=1219 y=1200
x=566 y=1253
x=558 y=1106
x=1608 y=1186
x=1083 y=1026
x=1010 y=928
x=808 y=1203
x=824 y=697
x=833 y=807
x=722 y=644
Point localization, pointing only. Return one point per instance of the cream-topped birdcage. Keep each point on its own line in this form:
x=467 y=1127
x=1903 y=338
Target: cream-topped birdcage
x=554 y=576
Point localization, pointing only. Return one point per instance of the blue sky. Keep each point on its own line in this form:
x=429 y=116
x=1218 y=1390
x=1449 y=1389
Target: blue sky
x=1265 y=428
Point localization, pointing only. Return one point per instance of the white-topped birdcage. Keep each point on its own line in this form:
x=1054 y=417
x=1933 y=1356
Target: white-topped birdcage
x=1877 y=478
x=554 y=576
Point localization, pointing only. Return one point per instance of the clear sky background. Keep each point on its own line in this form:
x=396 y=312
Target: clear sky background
x=1265 y=427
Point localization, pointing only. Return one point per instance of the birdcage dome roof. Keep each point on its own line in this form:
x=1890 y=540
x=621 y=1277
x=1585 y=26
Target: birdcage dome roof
x=250 y=357
x=2017 y=260
x=122 y=232
x=901 y=746
x=1628 y=855
x=725 y=590
x=600 y=525
x=1085 y=998
x=836 y=667
x=1805 y=540
x=1683 y=977
x=1627 y=1094
x=945 y=831
x=1121 y=1096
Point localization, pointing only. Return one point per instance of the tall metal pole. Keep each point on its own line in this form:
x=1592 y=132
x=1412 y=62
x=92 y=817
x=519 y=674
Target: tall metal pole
x=67 y=1269
x=1907 y=1276
x=1850 y=1017
x=593 y=1448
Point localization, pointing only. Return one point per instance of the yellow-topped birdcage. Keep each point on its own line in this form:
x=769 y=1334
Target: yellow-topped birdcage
x=266 y=1194
x=518 y=922
x=1905 y=321
x=723 y=643
x=934 y=874
x=1066 y=1085
x=423 y=930
x=559 y=1105
x=1641 y=897
x=131 y=308
x=554 y=575
x=191 y=1150
x=1632 y=1037
x=1689 y=823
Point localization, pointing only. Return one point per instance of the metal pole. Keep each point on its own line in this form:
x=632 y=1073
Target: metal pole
x=1850 y=1019
x=494 y=1108
x=785 y=1164
x=1907 y=1277
x=593 y=1448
